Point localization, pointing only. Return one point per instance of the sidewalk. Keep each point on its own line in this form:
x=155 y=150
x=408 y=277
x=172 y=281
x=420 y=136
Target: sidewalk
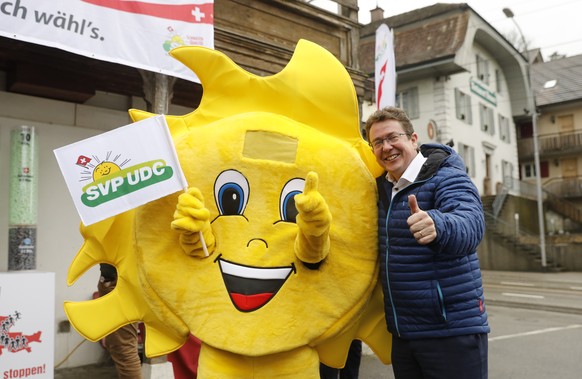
x=97 y=371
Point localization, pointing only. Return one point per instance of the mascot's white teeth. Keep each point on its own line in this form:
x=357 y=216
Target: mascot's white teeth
x=250 y=288
x=253 y=272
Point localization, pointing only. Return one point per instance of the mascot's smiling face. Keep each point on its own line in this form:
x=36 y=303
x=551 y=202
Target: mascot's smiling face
x=249 y=167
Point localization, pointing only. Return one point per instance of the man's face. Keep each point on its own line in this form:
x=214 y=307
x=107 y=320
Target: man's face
x=393 y=156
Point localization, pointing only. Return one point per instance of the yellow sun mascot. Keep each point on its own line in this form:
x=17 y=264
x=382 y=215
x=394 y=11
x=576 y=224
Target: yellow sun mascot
x=270 y=256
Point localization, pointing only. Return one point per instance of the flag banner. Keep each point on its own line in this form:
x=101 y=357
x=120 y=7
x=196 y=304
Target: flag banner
x=134 y=33
x=385 y=68
x=122 y=169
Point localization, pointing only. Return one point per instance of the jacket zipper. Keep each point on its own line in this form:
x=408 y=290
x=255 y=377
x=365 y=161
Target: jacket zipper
x=414 y=184
x=388 y=273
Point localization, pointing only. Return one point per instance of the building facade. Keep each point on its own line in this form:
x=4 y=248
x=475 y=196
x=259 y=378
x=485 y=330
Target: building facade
x=460 y=82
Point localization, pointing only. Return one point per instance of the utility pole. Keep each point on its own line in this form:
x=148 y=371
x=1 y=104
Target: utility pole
x=534 y=114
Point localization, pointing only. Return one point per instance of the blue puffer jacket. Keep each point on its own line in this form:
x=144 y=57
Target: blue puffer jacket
x=433 y=290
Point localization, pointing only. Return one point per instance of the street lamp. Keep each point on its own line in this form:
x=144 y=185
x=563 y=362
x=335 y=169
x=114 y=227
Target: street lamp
x=532 y=101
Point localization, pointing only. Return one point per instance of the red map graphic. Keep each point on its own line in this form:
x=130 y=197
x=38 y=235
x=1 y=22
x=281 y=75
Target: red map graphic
x=14 y=342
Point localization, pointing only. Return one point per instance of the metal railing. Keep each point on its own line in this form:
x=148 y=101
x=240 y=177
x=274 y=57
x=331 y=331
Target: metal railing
x=522 y=240
x=551 y=144
x=565 y=187
x=528 y=190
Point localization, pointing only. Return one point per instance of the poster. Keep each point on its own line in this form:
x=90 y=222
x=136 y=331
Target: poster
x=27 y=324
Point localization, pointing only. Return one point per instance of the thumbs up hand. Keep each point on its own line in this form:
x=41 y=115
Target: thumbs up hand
x=314 y=222
x=421 y=224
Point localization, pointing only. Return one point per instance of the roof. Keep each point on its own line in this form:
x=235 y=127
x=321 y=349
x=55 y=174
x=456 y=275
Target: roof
x=423 y=35
x=567 y=72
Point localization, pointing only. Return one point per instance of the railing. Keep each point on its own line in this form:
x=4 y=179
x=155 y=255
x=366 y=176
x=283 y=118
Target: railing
x=522 y=240
x=528 y=190
x=500 y=199
x=521 y=188
x=513 y=232
x=565 y=187
x=551 y=144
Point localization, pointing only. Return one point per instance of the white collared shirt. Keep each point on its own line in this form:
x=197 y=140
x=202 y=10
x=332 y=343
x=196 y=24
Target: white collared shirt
x=408 y=176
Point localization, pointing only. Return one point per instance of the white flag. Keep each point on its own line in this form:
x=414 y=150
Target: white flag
x=385 y=68
x=133 y=33
x=122 y=169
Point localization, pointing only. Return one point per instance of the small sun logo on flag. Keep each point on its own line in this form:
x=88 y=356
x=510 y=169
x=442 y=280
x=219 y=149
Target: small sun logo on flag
x=96 y=168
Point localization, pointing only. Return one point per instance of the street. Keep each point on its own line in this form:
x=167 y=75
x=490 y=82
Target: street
x=536 y=327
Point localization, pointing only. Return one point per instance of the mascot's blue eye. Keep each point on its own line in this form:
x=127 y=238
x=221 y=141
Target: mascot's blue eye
x=289 y=211
x=287 y=207
x=230 y=199
x=231 y=193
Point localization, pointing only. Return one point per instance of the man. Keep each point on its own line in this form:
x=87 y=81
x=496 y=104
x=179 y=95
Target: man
x=430 y=224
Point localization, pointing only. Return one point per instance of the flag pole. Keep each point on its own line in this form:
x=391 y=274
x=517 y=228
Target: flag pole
x=204 y=247
x=158 y=90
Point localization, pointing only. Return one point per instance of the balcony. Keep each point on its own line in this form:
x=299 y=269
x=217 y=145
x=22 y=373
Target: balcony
x=551 y=145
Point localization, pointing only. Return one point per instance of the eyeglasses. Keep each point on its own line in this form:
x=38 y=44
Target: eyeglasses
x=391 y=139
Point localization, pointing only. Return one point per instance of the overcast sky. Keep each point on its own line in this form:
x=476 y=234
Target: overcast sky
x=553 y=26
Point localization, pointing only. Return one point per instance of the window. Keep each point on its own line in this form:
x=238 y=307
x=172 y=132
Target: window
x=497 y=81
x=482 y=69
x=408 y=100
x=506 y=172
x=487 y=120
x=468 y=155
x=550 y=84
x=463 y=106
x=504 y=129
x=566 y=123
x=529 y=169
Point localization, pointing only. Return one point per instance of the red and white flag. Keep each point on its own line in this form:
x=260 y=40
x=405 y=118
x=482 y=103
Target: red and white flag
x=385 y=68
x=131 y=32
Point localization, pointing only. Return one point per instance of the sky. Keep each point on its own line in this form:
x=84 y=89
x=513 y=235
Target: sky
x=552 y=26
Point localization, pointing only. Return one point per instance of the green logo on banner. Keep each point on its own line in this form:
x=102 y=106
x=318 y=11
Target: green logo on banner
x=126 y=181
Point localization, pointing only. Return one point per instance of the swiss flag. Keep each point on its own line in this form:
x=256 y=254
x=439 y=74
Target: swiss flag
x=83 y=161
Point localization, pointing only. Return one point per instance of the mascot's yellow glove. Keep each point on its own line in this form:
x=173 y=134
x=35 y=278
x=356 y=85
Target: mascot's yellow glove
x=314 y=222
x=192 y=218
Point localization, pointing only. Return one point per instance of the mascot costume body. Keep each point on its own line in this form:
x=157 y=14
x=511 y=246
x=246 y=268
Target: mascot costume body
x=270 y=256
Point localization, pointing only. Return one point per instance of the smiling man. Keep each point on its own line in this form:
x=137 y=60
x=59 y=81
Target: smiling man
x=430 y=222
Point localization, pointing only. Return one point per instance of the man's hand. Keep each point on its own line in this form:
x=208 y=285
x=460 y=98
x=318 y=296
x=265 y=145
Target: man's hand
x=420 y=223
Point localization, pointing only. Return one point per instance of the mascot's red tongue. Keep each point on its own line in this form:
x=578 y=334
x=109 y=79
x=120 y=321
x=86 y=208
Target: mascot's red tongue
x=250 y=302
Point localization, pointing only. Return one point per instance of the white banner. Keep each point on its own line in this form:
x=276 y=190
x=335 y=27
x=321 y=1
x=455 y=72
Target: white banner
x=385 y=73
x=134 y=33
x=122 y=169
x=27 y=324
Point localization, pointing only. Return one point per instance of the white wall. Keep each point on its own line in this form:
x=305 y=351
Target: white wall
x=58 y=239
x=472 y=135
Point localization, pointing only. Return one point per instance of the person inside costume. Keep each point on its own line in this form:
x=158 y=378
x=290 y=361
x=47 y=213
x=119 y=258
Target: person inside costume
x=258 y=257
x=430 y=222
x=351 y=370
x=122 y=344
